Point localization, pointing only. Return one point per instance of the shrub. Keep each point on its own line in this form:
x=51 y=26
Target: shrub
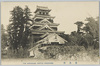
x=55 y=51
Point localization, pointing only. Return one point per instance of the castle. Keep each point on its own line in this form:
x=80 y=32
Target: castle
x=44 y=31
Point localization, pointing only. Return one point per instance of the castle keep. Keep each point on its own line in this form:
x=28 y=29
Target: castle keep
x=44 y=31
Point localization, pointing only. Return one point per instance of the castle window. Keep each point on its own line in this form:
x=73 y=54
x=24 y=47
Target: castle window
x=39 y=12
x=47 y=13
x=43 y=13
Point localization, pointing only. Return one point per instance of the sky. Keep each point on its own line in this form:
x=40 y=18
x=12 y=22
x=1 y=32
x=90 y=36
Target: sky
x=66 y=13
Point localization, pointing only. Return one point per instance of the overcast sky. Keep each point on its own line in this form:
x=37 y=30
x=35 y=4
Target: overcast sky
x=66 y=13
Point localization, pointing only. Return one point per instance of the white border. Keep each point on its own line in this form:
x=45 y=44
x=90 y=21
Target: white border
x=45 y=1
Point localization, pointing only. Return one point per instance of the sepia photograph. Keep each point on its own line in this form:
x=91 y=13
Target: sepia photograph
x=50 y=33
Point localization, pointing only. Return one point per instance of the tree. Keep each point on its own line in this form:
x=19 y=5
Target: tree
x=4 y=37
x=93 y=27
x=92 y=31
x=18 y=29
x=75 y=38
x=27 y=23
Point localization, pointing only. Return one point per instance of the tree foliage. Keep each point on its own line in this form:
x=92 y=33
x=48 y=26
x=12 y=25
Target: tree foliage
x=86 y=36
x=18 y=28
x=4 y=38
x=92 y=32
x=27 y=23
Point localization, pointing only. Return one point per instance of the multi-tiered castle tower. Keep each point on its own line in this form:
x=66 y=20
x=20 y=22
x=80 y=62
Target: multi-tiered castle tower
x=44 y=30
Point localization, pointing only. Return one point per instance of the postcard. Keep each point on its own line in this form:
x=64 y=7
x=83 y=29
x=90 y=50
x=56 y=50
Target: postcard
x=50 y=33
